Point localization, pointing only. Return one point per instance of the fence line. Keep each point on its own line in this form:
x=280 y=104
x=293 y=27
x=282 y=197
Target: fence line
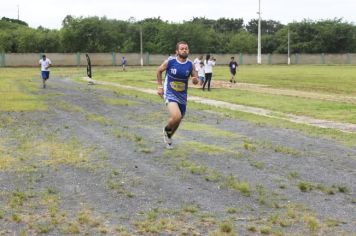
x=134 y=59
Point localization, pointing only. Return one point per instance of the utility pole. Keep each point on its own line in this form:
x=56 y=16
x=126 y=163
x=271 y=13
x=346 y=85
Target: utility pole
x=288 y=47
x=259 y=59
x=141 y=47
x=18 y=12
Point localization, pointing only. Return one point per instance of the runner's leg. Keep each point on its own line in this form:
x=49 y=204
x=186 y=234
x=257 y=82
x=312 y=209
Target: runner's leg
x=175 y=117
x=209 y=80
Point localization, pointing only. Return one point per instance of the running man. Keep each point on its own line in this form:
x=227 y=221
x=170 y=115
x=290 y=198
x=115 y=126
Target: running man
x=45 y=65
x=174 y=91
x=233 y=66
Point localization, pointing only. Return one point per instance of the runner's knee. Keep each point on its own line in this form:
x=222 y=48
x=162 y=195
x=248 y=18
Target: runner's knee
x=176 y=118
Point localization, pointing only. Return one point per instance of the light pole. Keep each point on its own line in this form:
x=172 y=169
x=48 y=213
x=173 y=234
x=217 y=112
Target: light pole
x=141 y=47
x=288 y=47
x=18 y=12
x=259 y=60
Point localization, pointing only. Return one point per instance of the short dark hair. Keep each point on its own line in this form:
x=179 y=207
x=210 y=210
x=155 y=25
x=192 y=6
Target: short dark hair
x=179 y=43
x=43 y=55
x=232 y=57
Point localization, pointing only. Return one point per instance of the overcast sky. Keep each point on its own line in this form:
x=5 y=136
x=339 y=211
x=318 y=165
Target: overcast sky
x=50 y=13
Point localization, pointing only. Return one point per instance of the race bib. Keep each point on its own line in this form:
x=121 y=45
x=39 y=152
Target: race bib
x=178 y=86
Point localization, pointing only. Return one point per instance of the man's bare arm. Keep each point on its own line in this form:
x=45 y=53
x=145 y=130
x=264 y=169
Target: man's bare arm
x=194 y=75
x=160 y=70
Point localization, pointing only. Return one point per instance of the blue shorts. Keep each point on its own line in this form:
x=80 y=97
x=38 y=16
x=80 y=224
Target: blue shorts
x=182 y=107
x=45 y=75
x=202 y=78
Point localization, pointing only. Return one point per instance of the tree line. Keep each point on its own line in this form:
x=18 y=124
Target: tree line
x=224 y=35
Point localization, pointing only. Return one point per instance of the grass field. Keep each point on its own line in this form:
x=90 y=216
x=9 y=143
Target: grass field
x=337 y=83
x=327 y=80
x=89 y=159
x=15 y=91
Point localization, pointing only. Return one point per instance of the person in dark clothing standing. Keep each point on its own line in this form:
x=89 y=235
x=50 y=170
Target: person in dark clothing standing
x=233 y=67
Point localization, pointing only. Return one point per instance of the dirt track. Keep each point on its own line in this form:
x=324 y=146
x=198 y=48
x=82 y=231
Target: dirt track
x=295 y=184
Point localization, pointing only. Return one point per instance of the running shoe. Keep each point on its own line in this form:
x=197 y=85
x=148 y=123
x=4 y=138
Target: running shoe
x=169 y=146
x=166 y=138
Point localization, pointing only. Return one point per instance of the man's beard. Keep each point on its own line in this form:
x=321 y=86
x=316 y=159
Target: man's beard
x=183 y=56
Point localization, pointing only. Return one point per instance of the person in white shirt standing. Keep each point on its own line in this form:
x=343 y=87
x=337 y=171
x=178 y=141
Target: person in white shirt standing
x=45 y=65
x=197 y=62
x=208 y=66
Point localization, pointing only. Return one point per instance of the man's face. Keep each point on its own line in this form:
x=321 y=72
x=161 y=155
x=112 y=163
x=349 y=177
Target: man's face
x=183 y=51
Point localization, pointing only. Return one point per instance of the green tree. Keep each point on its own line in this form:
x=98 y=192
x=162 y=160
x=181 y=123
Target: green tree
x=243 y=42
x=327 y=36
x=14 y=21
x=6 y=41
x=267 y=26
x=280 y=40
x=10 y=31
x=95 y=34
x=334 y=36
x=203 y=21
x=151 y=28
x=224 y=25
x=199 y=37
x=48 y=40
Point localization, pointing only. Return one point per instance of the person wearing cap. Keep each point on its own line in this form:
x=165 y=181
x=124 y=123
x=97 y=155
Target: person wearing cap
x=45 y=65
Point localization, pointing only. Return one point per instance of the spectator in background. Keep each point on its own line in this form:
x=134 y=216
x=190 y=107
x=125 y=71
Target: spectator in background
x=201 y=73
x=233 y=67
x=197 y=61
x=123 y=63
x=45 y=65
x=209 y=62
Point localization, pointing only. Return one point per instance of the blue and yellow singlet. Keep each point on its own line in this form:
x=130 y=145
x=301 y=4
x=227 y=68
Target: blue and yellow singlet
x=176 y=80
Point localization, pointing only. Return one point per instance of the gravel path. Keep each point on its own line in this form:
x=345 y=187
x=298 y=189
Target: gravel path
x=224 y=175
